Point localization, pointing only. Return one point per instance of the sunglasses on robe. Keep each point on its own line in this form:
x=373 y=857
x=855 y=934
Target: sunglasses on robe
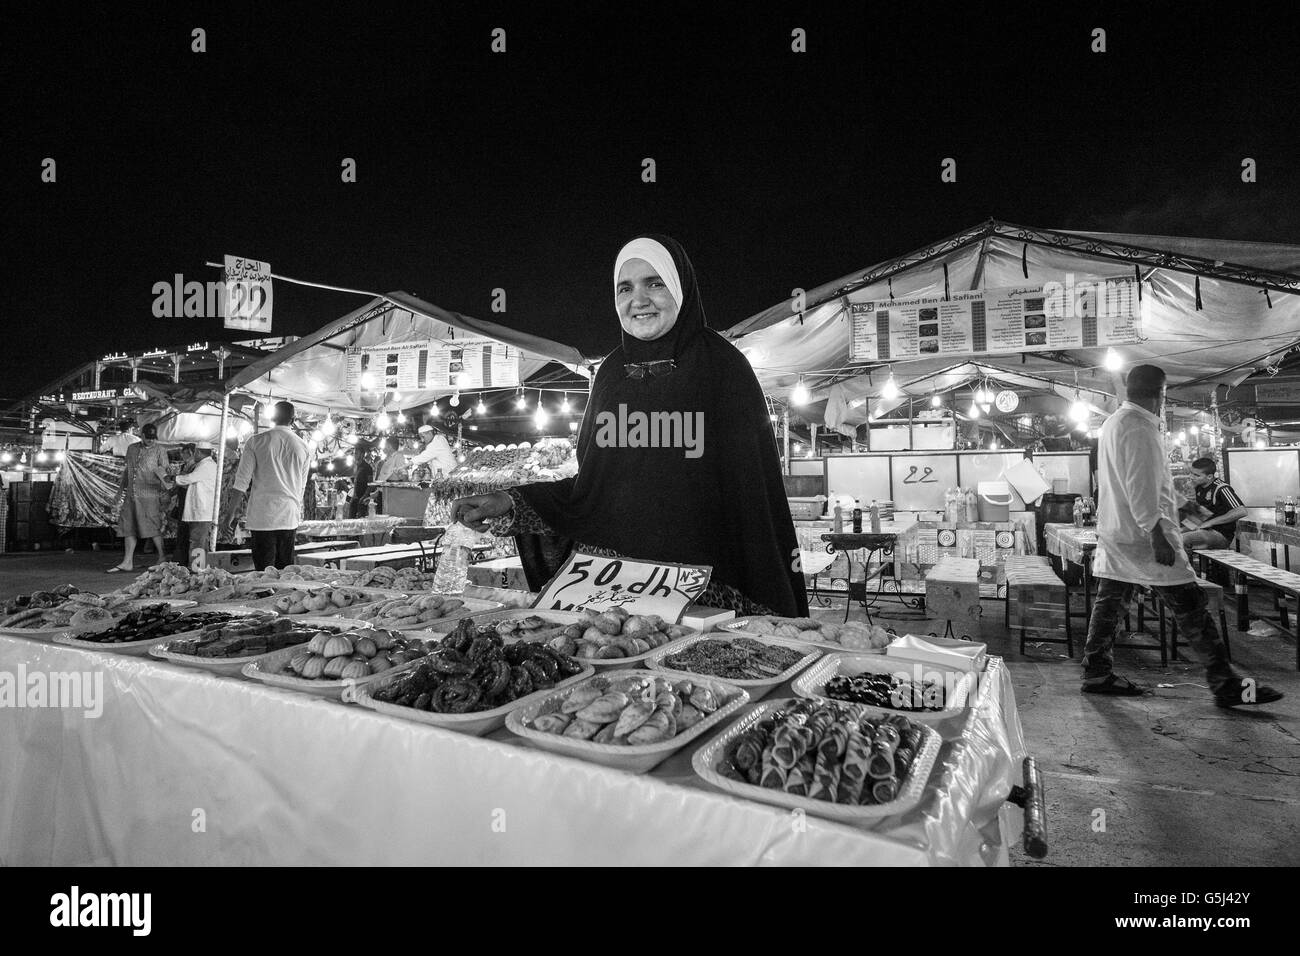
x=639 y=370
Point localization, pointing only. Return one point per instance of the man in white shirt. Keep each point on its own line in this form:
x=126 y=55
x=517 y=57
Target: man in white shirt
x=272 y=473
x=119 y=443
x=1138 y=542
x=394 y=461
x=200 y=483
x=436 y=453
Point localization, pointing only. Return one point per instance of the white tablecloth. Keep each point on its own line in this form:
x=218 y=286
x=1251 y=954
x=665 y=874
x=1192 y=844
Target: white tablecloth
x=278 y=777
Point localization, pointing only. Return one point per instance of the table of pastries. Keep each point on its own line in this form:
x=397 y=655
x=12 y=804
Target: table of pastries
x=185 y=767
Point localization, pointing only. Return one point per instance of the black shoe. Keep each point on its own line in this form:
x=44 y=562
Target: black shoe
x=1114 y=686
x=1235 y=697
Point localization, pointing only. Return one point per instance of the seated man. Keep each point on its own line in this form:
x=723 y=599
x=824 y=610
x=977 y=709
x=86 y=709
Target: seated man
x=1218 y=509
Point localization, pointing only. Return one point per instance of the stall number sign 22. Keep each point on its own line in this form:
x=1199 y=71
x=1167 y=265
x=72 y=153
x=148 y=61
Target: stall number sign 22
x=920 y=476
x=640 y=587
x=248 y=294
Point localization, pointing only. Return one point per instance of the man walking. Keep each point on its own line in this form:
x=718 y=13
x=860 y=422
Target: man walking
x=1138 y=543
x=272 y=473
x=200 y=497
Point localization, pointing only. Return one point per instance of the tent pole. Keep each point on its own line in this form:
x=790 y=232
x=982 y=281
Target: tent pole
x=785 y=428
x=221 y=469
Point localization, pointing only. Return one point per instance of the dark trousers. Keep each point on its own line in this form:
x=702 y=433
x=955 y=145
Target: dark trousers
x=182 y=556
x=1186 y=601
x=273 y=549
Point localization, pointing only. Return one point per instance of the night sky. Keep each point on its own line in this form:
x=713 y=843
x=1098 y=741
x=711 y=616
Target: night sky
x=522 y=170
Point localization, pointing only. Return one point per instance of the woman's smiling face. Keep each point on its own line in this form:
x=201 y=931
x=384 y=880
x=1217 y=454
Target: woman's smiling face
x=646 y=309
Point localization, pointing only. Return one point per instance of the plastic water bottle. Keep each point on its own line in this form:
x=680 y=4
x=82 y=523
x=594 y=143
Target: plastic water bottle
x=857 y=516
x=972 y=505
x=453 y=570
x=875 y=517
x=1078 y=512
x=839 y=519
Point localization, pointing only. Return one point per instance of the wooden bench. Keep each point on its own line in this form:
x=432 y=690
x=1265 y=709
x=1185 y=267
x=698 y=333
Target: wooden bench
x=1245 y=569
x=241 y=559
x=1037 y=600
x=1214 y=604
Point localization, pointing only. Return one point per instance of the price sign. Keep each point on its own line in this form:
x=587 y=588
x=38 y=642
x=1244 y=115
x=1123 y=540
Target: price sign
x=639 y=587
x=248 y=294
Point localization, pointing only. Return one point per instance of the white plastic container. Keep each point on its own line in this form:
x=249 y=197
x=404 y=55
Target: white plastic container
x=956 y=685
x=636 y=759
x=706 y=759
x=227 y=666
x=474 y=724
x=755 y=687
x=562 y=619
x=472 y=606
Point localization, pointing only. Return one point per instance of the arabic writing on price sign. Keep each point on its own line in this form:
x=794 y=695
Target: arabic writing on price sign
x=640 y=587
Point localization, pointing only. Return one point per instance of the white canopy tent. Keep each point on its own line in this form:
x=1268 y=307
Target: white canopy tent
x=311 y=372
x=1212 y=312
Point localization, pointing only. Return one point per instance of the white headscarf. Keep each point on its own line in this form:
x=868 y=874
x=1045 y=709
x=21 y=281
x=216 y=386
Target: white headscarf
x=660 y=259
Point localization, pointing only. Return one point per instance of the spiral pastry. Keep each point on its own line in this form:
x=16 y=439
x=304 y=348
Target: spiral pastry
x=456 y=697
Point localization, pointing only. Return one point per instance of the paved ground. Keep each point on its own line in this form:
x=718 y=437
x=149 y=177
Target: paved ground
x=1167 y=779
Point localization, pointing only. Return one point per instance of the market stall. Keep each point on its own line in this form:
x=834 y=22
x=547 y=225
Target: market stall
x=182 y=767
x=1033 y=311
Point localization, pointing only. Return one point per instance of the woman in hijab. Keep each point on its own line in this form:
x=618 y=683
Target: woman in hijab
x=715 y=498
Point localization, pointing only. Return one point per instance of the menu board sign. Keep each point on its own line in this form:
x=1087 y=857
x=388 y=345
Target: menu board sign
x=470 y=364
x=993 y=321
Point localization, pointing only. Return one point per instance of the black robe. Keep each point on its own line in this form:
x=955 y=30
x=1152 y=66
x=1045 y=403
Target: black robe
x=725 y=507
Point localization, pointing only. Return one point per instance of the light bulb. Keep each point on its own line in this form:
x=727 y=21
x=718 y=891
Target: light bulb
x=401 y=419
x=317 y=435
x=1260 y=443
x=40 y=458
x=540 y=417
x=6 y=457
x=521 y=403
x=1182 y=437
x=890 y=391
x=796 y=448
x=1082 y=427
x=382 y=421
x=573 y=426
x=936 y=402
x=245 y=428
x=311 y=444
x=772 y=418
x=1026 y=421
x=367 y=381
x=973 y=411
x=799 y=394
x=993 y=445
x=327 y=426
x=565 y=407
x=480 y=407
x=59 y=456
x=455 y=399
x=397 y=396
x=1079 y=411
x=1113 y=362
x=330 y=466
x=350 y=461
x=1196 y=429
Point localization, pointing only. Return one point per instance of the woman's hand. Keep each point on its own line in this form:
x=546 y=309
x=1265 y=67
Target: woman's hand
x=475 y=510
